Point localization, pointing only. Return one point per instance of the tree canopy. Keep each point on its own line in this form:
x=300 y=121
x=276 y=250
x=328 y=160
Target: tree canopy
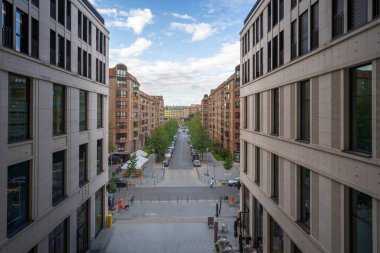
x=199 y=136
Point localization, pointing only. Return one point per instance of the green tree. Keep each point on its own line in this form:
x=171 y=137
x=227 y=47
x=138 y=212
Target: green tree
x=132 y=164
x=112 y=185
x=228 y=162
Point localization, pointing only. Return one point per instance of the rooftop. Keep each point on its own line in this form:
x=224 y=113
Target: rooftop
x=252 y=10
x=93 y=10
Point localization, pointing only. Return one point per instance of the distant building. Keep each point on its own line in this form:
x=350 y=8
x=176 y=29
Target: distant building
x=133 y=113
x=221 y=114
x=53 y=131
x=174 y=112
x=310 y=146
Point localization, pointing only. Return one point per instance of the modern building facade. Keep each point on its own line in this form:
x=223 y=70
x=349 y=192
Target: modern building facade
x=53 y=134
x=223 y=114
x=133 y=113
x=310 y=125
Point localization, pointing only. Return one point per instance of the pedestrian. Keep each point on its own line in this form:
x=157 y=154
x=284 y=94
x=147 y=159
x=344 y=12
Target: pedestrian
x=211 y=182
x=132 y=199
x=121 y=204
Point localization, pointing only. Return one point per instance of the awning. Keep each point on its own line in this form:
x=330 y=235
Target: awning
x=141 y=153
x=140 y=162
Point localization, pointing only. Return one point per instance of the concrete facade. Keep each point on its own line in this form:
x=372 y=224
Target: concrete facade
x=334 y=168
x=42 y=215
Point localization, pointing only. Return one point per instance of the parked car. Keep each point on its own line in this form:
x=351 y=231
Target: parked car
x=165 y=163
x=234 y=181
x=197 y=163
x=120 y=182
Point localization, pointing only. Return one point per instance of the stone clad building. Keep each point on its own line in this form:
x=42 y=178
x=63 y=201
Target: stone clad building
x=310 y=146
x=53 y=128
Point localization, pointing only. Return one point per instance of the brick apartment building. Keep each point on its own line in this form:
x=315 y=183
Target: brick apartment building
x=133 y=113
x=221 y=114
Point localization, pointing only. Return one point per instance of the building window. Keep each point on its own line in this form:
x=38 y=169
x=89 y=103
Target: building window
x=361 y=109
x=99 y=205
x=35 y=38
x=281 y=9
x=293 y=40
x=303 y=33
x=375 y=8
x=258 y=228
x=269 y=56
x=52 y=47
x=89 y=67
x=82 y=228
x=79 y=63
x=89 y=33
x=121 y=115
x=257 y=112
x=357 y=13
x=58 y=239
x=276 y=178
x=275 y=12
x=85 y=28
x=53 y=9
x=18 y=193
x=276 y=112
x=58 y=177
x=83 y=107
x=281 y=49
x=61 y=12
x=305 y=202
x=314 y=26
x=99 y=111
x=121 y=125
x=257 y=166
x=21 y=32
x=121 y=104
x=295 y=249
x=360 y=222
x=293 y=3
x=257 y=31
x=82 y=164
x=338 y=18
x=99 y=156
x=68 y=15
x=304 y=116
x=61 y=51
x=121 y=136
x=261 y=26
x=68 y=55
x=261 y=62
x=269 y=17
x=79 y=24
x=59 y=105
x=97 y=70
x=84 y=63
x=275 y=52
x=18 y=108
x=245 y=168
x=121 y=94
x=276 y=237
x=7 y=24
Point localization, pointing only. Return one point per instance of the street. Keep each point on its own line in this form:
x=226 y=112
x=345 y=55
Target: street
x=166 y=202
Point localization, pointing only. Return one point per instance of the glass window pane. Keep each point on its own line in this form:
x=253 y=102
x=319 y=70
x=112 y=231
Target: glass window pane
x=100 y=111
x=59 y=109
x=305 y=197
x=361 y=222
x=58 y=176
x=82 y=164
x=18 y=108
x=305 y=111
x=361 y=109
x=17 y=197
x=82 y=228
x=83 y=110
x=276 y=178
x=58 y=239
x=276 y=237
x=99 y=203
x=99 y=156
x=258 y=224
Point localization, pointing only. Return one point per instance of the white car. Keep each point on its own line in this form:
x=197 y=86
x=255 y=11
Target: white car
x=197 y=163
x=234 y=182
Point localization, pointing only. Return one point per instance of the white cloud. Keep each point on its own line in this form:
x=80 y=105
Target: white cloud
x=108 y=11
x=136 y=49
x=135 y=19
x=198 y=31
x=182 y=82
x=182 y=16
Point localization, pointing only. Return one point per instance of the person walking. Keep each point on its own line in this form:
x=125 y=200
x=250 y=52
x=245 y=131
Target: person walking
x=121 y=204
x=211 y=182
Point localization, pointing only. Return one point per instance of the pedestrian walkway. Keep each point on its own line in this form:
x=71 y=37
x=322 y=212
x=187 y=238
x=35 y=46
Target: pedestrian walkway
x=165 y=227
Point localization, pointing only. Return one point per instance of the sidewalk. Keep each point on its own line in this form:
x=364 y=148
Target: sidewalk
x=212 y=168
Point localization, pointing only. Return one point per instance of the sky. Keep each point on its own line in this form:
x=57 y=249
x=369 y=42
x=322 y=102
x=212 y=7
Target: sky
x=180 y=49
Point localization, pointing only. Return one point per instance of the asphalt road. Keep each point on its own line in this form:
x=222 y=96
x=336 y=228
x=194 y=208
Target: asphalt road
x=181 y=158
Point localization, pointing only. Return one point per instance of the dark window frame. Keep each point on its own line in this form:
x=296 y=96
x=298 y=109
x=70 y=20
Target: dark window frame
x=337 y=18
x=59 y=117
x=83 y=174
x=276 y=112
x=293 y=40
x=303 y=33
x=61 y=51
x=257 y=112
x=58 y=198
x=22 y=34
x=56 y=234
x=99 y=156
x=83 y=110
x=314 y=26
x=305 y=194
x=7 y=24
x=61 y=12
x=257 y=165
x=34 y=38
x=276 y=178
x=99 y=111
x=355 y=17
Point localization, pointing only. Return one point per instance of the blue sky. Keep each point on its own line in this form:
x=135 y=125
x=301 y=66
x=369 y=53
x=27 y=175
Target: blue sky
x=179 y=49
